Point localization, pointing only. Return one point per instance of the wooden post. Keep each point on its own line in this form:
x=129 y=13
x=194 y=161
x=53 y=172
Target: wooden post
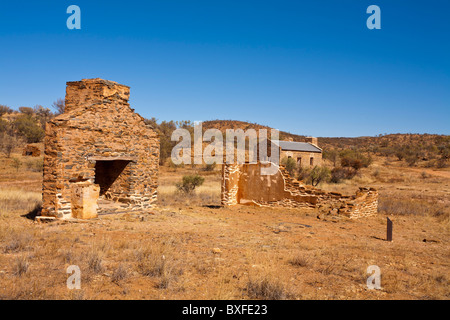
x=389 y=230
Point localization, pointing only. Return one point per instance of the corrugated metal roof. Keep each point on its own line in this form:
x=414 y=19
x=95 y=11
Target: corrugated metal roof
x=297 y=146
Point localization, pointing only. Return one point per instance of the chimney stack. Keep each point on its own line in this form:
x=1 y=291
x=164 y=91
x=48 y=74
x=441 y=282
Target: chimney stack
x=312 y=140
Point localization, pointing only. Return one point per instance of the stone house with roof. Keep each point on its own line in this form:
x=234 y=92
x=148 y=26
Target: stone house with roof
x=306 y=154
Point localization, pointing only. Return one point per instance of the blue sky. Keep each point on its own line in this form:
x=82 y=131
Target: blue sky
x=307 y=67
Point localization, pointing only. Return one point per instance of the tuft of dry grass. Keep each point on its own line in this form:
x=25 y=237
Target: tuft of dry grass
x=21 y=265
x=94 y=261
x=266 y=288
x=120 y=273
x=299 y=261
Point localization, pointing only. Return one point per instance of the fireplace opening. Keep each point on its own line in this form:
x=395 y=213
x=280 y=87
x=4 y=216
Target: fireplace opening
x=110 y=176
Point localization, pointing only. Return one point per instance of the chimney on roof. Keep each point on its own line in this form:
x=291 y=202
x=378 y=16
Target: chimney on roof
x=88 y=92
x=312 y=140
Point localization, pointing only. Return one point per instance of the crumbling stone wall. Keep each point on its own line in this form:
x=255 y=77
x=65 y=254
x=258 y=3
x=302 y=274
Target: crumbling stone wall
x=31 y=150
x=244 y=184
x=101 y=140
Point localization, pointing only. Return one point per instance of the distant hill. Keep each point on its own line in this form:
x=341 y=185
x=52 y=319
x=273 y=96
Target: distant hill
x=222 y=125
x=419 y=141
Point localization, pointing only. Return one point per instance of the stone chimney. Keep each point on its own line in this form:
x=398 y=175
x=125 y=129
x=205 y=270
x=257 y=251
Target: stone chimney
x=312 y=140
x=88 y=92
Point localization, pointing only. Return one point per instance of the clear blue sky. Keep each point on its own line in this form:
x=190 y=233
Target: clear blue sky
x=308 y=67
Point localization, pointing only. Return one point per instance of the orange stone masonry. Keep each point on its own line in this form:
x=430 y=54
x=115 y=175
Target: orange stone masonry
x=244 y=184
x=99 y=141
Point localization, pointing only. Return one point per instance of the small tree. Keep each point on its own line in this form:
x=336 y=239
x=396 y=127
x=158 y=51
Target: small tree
x=8 y=143
x=4 y=109
x=59 y=106
x=332 y=155
x=16 y=163
x=189 y=183
x=290 y=165
x=318 y=174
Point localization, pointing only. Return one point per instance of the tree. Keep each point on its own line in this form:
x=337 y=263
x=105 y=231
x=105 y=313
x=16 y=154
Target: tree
x=26 y=110
x=28 y=127
x=332 y=155
x=318 y=174
x=8 y=143
x=16 y=163
x=59 y=106
x=4 y=110
x=43 y=115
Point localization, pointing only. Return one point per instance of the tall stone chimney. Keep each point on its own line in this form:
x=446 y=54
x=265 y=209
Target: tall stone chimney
x=312 y=140
x=90 y=92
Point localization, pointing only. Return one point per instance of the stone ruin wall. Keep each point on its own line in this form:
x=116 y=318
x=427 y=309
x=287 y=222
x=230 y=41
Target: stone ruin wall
x=243 y=184
x=32 y=151
x=98 y=130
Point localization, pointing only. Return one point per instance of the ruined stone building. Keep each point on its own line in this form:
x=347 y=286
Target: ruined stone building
x=31 y=151
x=98 y=149
x=245 y=184
x=306 y=154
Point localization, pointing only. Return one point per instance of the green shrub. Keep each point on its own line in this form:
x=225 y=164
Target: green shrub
x=189 y=183
x=27 y=127
x=290 y=165
x=354 y=159
x=338 y=174
x=209 y=167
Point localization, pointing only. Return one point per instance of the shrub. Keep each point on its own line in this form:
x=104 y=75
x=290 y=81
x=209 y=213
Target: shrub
x=119 y=274
x=35 y=165
x=5 y=109
x=189 y=183
x=339 y=173
x=21 y=265
x=290 y=165
x=209 y=167
x=266 y=289
x=411 y=159
x=354 y=159
x=94 y=261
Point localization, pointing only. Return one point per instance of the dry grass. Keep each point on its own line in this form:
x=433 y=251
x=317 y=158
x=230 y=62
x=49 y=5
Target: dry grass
x=169 y=254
